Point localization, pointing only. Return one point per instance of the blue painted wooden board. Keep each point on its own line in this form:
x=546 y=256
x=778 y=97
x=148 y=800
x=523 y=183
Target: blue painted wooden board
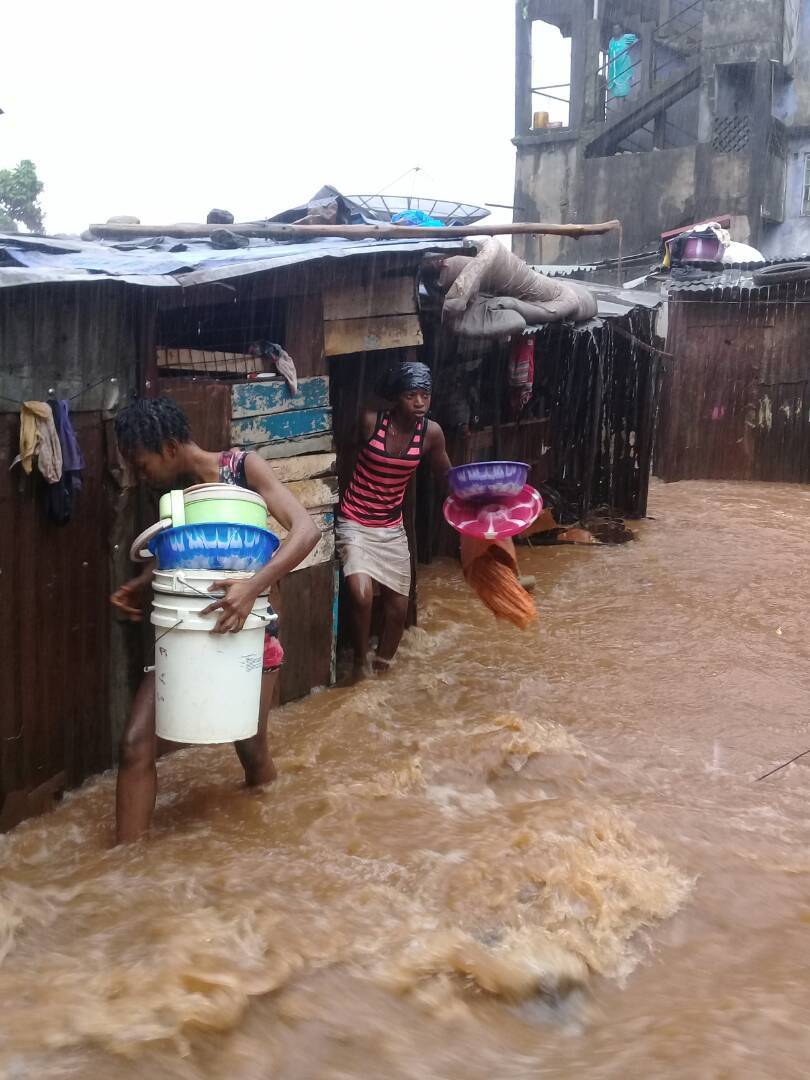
x=335 y=625
x=263 y=398
x=277 y=427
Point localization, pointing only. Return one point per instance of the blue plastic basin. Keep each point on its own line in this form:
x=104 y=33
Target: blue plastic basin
x=215 y=546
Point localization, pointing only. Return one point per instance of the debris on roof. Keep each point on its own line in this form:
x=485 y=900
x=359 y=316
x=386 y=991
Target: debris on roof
x=163 y=261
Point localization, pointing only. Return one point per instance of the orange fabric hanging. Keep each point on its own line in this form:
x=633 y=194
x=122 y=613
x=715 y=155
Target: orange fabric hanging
x=490 y=568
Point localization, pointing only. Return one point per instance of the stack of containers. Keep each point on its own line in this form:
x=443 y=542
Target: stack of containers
x=207 y=686
x=491 y=500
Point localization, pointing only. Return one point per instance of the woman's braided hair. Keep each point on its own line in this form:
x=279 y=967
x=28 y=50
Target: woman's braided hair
x=149 y=423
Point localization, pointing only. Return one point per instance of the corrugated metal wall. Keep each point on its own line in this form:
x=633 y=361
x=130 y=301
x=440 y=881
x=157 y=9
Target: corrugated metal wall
x=736 y=397
x=601 y=389
x=54 y=583
x=591 y=438
x=64 y=673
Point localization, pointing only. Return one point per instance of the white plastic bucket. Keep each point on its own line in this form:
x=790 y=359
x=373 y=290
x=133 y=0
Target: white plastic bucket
x=207 y=686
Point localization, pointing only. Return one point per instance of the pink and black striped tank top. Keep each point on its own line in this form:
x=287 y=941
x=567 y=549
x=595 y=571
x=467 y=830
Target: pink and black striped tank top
x=377 y=488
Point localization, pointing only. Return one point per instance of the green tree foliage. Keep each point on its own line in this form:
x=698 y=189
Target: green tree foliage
x=19 y=198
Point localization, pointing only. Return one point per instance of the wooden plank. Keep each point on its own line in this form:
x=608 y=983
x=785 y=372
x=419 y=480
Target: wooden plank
x=303 y=334
x=324 y=550
x=311 y=444
x=280 y=427
x=383 y=296
x=324 y=519
x=279 y=231
x=209 y=361
x=313 y=494
x=305 y=467
x=263 y=398
x=305 y=607
x=367 y=335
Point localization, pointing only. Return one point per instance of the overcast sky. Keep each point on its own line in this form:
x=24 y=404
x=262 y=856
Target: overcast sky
x=166 y=109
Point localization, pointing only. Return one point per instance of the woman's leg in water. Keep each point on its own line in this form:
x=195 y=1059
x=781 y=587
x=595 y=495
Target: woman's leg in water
x=395 y=612
x=361 y=598
x=136 y=787
x=254 y=753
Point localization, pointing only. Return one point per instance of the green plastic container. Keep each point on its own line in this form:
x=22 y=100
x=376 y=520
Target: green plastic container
x=208 y=503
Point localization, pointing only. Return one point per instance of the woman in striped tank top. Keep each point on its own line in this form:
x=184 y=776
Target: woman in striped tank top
x=371 y=536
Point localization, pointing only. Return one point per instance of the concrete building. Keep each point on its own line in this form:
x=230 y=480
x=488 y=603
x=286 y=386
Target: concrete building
x=706 y=113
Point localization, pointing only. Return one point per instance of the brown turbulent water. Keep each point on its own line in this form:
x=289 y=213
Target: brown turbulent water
x=519 y=855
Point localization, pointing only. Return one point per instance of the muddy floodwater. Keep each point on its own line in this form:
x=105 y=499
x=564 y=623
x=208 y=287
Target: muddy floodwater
x=518 y=855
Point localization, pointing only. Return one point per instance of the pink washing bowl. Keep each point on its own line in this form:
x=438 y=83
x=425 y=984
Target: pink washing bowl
x=494 y=520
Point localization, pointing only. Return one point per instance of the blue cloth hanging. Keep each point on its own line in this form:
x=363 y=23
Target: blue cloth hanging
x=60 y=496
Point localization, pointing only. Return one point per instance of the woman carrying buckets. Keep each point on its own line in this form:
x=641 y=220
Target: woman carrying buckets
x=155 y=439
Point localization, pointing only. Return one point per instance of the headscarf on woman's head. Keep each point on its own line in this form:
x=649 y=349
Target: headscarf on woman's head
x=410 y=375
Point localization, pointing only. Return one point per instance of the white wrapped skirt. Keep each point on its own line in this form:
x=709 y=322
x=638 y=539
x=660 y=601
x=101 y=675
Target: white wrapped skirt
x=382 y=553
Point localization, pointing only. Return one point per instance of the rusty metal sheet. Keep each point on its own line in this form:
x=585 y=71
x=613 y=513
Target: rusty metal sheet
x=207 y=404
x=736 y=398
x=54 y=714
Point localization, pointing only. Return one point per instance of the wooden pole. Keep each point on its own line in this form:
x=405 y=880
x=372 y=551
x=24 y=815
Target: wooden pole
x=274 y=231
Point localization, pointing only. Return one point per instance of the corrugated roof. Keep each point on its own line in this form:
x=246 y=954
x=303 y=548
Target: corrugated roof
x=708 y=282
x=165 y=262
x=629 y=262
x=563 y=270
x=709 y=278
x=614 y=301
x=612 y=304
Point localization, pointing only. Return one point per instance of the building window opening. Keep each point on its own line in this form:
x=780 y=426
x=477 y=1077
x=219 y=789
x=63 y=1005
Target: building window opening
x=806 y=187
x=734 y=89
x=551 y=77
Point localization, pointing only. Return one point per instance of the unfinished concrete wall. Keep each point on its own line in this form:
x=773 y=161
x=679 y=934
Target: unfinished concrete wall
x=792 y=237
x=736 y=31
x=649 y=193
x=545 y=191
x=791 y=102
x=721 y=183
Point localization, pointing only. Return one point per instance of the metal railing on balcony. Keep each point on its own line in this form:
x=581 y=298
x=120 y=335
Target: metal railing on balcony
x=542 y=92
x=677 y=40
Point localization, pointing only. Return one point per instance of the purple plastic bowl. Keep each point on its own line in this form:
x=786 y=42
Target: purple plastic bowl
x=702 y=249
x=484 y=480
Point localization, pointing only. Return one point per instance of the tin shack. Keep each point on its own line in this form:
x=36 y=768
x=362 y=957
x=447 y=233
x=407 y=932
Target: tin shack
x=94 y=323
x=735 y=402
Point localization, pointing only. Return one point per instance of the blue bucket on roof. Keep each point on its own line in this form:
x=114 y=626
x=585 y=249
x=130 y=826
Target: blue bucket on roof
x=214 y=546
